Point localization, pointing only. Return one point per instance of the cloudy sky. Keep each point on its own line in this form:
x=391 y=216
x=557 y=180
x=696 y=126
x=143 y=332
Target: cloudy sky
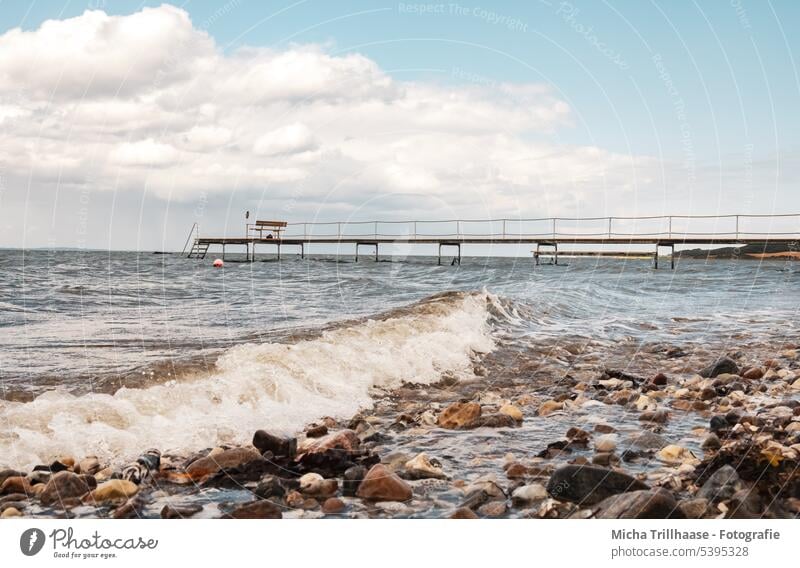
x=122 y=123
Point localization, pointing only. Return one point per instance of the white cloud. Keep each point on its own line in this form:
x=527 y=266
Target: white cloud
x=147 y=100
x=292 y=139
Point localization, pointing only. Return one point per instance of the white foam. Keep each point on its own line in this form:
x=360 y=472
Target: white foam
x=280 y=387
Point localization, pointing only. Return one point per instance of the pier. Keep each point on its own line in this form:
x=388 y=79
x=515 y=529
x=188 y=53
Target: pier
x=548 y=236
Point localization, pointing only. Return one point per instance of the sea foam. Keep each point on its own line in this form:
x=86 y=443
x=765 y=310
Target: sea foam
x=277 y=386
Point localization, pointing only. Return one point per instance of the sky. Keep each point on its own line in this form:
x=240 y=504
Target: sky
x=122 y=123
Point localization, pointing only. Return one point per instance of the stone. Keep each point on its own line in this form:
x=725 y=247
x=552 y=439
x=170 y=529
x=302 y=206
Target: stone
x=659 y=380
x=646 y=440
x=708 y=393
x=225 y=460
x=721 y=485
x=16 y=484
x=493 y=509
x=550 y=406
x=269 y=486
x=317 y=431
x=723 y=365
x=753 y=373
x=342 y=441
x=10 y=512
x=578 y=436
x=464 y=513
x=382 y=485
x=645 y=504
x=605 y=459
x=317 y=486
x=256 y=510
x=492 y=421
x=180 y=511
x=529 y=493
x=421 y=467
x=112 y=490
x=694 y=508
x=295 y=499
x=604 y=428
x=6 y=473
x=353 y=476
x=62 y=487
x=656 y=416
x=711 y=442
x=589 y=484
x=605 y=443
x=674 y=454
x=512 y=411
x=718 y=423
x=279 y=447
x=89 y=466
x=458 y=415
x=332 y=506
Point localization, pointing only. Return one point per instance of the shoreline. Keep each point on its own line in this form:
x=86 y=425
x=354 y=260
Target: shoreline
x=514 y=441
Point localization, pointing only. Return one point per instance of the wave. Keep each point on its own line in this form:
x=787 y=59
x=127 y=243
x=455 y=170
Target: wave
x=277 y=386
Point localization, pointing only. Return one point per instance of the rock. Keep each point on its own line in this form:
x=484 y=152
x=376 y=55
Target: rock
x=753 y=373
x=723 y=365
x=718 y=423
x=588 y=484
x=342 y=441
x=694 y=508
x=464 y=513
x=317 y=431
x=353 y=477
x=16 y=484
x=529 y=493
x=314 y=484
x=605 y=459
x=549 y=407
x=605 y=443
x=6 y=473
x=674 y=454
x=295 y=500
x=224 y=461
x=493 y=509
x=459 y=414
x=382 y=485
x=646 y=440
x=659 y=380
x=604 y=428
x=256 y=510
x=578 y=436
x=89 y=466
x=10 y=512
x=421 y=467
x=180 y=511
x=711 y=442
x=269 y=486
x=708 y=393
x=63 y=486
x=646 y=504
x=112 y=490
x=512 y=411
x=721 y=485
x=656 y=416
x=333 y=506
x=492 y=421
x=279 y=447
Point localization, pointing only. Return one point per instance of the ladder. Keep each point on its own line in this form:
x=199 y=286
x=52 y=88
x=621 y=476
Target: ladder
x=198 y=249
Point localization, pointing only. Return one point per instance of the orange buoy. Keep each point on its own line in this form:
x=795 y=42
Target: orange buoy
x=218 y=263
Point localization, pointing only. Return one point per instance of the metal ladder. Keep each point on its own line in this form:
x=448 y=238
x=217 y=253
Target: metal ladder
x=198 y=249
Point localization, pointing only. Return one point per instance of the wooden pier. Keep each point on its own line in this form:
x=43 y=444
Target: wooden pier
x=654 y=233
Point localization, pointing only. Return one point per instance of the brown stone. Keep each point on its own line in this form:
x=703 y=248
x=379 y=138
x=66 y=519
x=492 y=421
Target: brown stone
x=257 y=510
x=493 y=509
x=459 y=414
x=754 y=373
x=64 y=487
x=224 y=460
x=464 y=513
x=657 y=416
x=333 y=506
x=550 y=406
x=645 y=504
x=16 y=485
x=382 y=485
x=180 y=511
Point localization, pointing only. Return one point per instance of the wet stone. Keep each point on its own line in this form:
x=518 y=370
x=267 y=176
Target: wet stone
x=256 y=510
x=722 y=365
x=590 y=484
x=646 y=504
x=180 y=511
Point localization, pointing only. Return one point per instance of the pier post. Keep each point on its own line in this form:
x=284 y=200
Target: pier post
x=555 y=254
x=655 y=258
x=376 y=252
x=223 y=251
x=672 y=257
x=302 y=250
x=356 y=252
x=440 y=254
x=254 y=251
x=279 y=250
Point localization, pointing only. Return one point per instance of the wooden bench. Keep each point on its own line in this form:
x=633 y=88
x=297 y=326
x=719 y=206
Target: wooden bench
x=272 y=228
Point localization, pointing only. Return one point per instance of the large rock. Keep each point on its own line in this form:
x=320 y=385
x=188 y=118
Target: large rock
x=382 y=485
x=721 y=485
x=63 y=486
x=647 y=504
x=723 y=365
x=112 y=490
x=279 y=447
x=589 y=485
x=226 y=460
x=459 y=415
x=421 y=467
x=256 y=510
x=16 y=484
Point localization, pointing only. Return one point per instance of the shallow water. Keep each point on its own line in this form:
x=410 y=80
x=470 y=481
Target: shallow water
x=111 y=353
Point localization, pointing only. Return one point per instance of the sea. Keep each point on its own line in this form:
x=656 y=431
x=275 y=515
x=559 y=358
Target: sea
x=110 y=353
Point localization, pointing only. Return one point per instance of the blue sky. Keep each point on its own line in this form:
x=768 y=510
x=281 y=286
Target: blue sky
x=699 y=94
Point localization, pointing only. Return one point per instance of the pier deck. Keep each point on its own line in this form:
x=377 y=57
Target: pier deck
x=657 y=232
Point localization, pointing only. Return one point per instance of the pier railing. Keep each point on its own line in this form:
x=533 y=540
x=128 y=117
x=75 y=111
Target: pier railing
x=780 y=226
